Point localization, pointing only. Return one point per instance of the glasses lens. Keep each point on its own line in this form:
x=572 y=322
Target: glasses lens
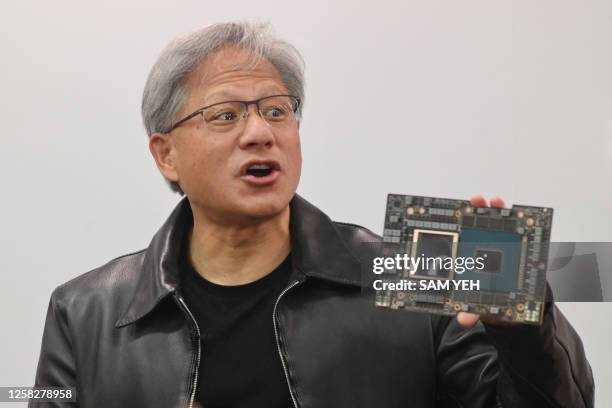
x=223 y=116
x=278 y=109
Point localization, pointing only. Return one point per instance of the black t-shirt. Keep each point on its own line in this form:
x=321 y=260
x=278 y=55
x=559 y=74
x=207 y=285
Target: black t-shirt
x=240 y=365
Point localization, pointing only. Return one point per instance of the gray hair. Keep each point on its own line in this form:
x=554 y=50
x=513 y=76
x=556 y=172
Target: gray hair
x=165 y=90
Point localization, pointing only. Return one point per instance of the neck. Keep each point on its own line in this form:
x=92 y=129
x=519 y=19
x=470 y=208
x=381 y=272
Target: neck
x=238 y=254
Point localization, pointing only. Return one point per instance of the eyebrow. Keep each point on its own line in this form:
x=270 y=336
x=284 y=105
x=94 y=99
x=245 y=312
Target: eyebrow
x=221 y=95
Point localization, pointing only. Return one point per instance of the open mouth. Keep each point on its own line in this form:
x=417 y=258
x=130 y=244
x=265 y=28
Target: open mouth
x=259 y=170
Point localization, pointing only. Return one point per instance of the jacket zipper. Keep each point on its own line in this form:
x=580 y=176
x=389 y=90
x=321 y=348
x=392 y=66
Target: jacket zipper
x=185 y=309
x=276 y=336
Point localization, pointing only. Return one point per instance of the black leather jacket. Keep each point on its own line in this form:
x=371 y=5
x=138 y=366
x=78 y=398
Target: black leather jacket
x=124 y=337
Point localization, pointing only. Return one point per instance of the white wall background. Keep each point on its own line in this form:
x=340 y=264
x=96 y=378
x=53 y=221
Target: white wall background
x=443 y=98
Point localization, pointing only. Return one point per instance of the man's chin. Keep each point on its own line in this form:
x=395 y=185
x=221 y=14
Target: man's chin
x=264 y=207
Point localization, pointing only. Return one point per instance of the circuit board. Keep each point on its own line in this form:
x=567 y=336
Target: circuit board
x=508 y=249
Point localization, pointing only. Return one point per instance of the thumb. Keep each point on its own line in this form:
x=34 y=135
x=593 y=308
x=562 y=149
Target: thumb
x=466 y=319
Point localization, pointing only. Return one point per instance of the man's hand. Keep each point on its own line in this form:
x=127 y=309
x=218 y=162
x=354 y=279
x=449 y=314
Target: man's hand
x=469 y=319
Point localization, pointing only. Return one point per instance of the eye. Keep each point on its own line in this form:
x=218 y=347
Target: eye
x=275 y=112
x=225 y=116
x=222 y=115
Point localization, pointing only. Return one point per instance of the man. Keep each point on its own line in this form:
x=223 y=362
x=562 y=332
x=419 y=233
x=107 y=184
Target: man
x=250 y=296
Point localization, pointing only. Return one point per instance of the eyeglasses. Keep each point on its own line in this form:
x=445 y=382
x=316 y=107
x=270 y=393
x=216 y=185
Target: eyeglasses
x=276 y=110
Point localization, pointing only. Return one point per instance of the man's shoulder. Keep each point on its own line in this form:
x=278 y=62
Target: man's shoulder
x=109 y=282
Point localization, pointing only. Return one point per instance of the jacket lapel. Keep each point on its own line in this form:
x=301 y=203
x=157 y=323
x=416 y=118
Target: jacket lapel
x=159 y=276
x=317 y=246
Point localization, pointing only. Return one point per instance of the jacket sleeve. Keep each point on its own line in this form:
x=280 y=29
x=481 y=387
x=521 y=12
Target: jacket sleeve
x=56 y=364
x=514 y=367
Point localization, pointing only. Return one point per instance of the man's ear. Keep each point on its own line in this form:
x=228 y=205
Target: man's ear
x=164 y=153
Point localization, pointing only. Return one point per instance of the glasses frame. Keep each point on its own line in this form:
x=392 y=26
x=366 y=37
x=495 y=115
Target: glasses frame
x=246 y=108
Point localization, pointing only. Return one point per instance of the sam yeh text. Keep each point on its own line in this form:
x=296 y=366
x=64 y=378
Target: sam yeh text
x=427 y=284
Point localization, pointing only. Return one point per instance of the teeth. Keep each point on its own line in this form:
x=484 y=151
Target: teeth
x=259 y=167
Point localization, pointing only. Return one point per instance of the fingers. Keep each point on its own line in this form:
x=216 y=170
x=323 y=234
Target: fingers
x=479 y=201
x=498 y=202
x=466 y=319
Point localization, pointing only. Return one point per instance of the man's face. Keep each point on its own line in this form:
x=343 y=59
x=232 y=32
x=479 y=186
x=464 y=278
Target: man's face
x=212 y=167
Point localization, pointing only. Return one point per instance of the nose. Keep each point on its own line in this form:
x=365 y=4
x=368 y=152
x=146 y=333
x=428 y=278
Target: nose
x=256 y=132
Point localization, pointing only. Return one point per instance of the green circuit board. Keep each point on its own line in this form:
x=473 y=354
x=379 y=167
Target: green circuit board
x=508 y=248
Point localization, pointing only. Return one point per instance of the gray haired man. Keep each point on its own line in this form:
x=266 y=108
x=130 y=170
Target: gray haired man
x=248 y=295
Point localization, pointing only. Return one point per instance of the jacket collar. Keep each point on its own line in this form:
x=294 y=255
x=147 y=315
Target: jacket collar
x=317 y=251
